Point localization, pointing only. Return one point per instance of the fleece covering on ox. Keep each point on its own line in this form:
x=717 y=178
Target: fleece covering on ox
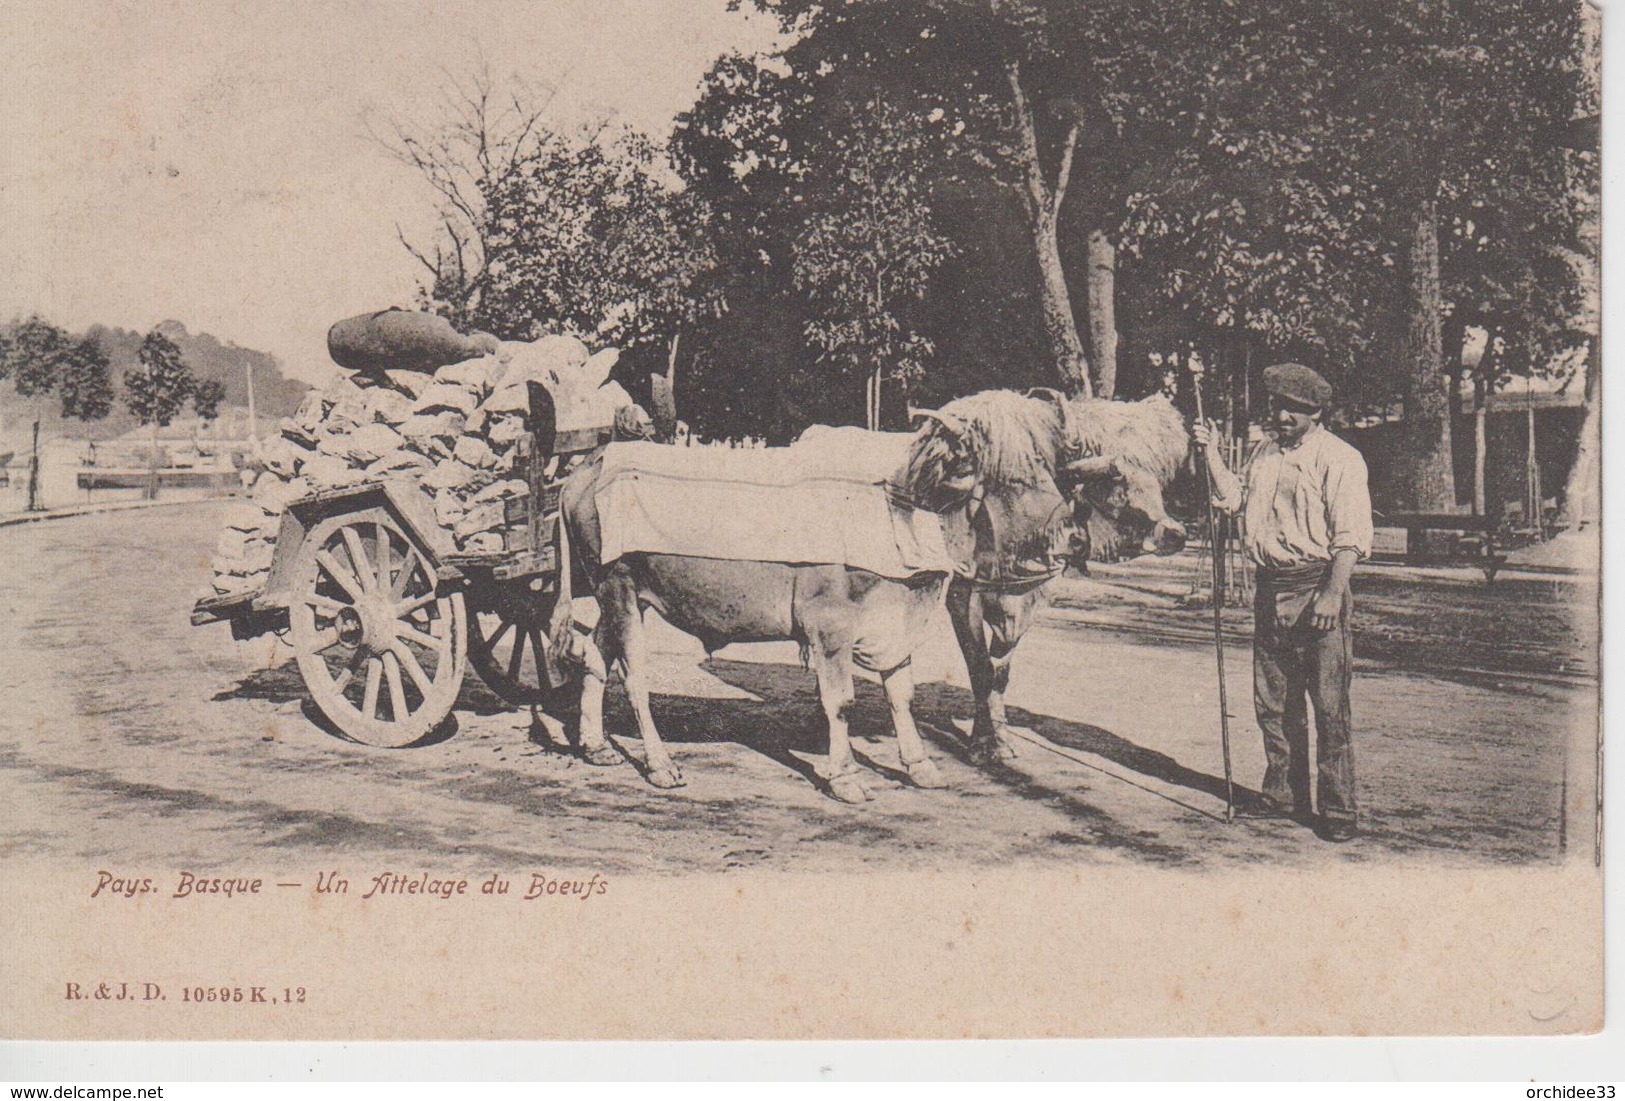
x=820 y=501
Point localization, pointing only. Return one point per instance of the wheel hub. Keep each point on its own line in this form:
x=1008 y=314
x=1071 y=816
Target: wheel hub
x=348 y=623
x=375 y=624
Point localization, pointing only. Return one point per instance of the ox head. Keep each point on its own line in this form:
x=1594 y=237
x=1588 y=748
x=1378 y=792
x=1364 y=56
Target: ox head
x=1117 y=506
x=943 y=460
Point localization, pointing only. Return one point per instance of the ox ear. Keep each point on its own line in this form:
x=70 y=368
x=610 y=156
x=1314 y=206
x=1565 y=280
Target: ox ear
x=950 y=423
x=1091 y=466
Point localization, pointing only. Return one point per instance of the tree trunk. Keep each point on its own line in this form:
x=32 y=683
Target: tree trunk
x=1455 y=344
x=1480 y=442
x=1580 y=504
x=33 y=472
x=1071 y=361
x=1425 y=479
x=1043 y=201
x=152 y=466
x=1103 y=312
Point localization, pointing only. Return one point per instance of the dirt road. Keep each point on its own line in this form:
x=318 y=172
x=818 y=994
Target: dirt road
x=132 y=739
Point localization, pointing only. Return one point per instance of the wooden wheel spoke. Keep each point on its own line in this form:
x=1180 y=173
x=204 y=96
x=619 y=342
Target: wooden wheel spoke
x=518 y=620
x=342 y=681
x=405 y=608
x=369 y=695
x=518 y=657
x=413 y=669
x=325 y=604
x=488 y=643
x=359 y=562
x=411 y=634
x=380 y=535
x=536 y=646
x=409 y=566
x=359 y=574
x=397 y=690
x=346 y=580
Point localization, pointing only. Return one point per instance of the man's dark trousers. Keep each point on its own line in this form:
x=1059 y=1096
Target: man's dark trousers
x=1294 y=667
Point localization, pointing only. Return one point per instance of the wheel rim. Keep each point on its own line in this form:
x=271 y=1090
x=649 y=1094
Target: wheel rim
x=508 y=635
x=382 y=652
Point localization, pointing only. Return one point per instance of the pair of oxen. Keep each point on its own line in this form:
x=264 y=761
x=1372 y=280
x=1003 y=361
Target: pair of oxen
x=1013 y=477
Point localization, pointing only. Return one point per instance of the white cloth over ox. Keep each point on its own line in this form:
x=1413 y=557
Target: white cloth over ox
x=822 y=500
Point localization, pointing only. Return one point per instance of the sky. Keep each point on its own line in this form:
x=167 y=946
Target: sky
x=210 y=161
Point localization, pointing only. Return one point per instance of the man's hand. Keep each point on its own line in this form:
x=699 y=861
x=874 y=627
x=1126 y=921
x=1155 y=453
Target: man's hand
x=1324 y=613
x=1206 y=434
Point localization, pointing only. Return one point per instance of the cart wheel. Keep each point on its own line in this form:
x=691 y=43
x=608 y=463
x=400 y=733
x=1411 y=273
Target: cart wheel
x=507 y=635
x=382 y=653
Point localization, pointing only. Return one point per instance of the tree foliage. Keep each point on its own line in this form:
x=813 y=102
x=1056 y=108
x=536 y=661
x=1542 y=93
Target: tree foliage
x=579 y=230
x=207 y=394
x=1261 y=167
x=38 y=358
x=595 y=238
x=32 y=357
x=85 y=384
x=1273 y=179
x=157 y=390
x=485 y=136
x=866 y=253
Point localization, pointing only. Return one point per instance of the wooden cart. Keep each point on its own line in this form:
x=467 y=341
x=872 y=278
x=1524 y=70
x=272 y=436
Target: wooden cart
x=385 y=616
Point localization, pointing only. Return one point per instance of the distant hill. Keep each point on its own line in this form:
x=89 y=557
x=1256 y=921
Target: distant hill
x=207 y=356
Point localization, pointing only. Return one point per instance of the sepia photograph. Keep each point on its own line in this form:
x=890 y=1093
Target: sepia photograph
x=780 y=519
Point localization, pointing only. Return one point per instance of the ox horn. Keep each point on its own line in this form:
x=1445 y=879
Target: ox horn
x=1048 y=394
x=948 y=421
x=1091 y=466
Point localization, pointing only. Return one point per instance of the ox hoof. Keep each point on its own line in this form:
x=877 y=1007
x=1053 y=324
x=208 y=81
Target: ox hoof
x=991 y=749
x=924 y=773
x=602 y=755
x=668 y=777
x=850 y=788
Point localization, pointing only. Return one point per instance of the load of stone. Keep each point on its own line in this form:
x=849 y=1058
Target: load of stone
x=454 y=432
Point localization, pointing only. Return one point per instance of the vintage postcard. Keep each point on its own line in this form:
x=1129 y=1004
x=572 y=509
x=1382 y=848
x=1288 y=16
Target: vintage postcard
x=680 y=519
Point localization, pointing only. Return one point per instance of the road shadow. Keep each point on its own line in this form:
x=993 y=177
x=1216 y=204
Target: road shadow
x=787 y=716
x=936 y=703
x=280 y=684
x=785 y=720
x=785 y=723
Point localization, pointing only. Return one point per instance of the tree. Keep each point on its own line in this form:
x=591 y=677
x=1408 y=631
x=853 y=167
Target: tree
x=867 y=253
x=86 y=381
x=207 y=394
x=595 y=238
x=1241 y=178
x=1448 y=105
x=542 y=230
x=486 y=137
x=37 y=357
x=157 y=391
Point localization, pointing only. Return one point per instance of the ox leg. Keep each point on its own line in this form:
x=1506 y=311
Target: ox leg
x=922 y=770
x=622 y=623
x=594 y=678
x=966 y=611
x=1008 y=618
x=833 y=665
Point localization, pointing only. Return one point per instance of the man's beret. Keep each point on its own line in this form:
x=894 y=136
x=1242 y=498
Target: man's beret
x=1295 y=382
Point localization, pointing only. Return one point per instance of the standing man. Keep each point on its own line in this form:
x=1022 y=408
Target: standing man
x=1306 y=508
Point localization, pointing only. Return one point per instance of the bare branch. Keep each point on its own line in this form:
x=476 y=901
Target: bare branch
x=432 y=266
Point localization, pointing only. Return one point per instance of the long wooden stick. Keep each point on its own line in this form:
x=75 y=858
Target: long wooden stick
x=1216 y=551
